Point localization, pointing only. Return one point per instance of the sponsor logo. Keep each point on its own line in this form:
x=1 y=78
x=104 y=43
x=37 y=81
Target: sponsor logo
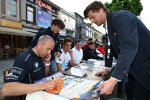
x=36 y=64
x=13 y=76
x=36 y=67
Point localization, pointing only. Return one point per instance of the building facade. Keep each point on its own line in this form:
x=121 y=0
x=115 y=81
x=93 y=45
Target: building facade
x=20 y=20
x=69 y=21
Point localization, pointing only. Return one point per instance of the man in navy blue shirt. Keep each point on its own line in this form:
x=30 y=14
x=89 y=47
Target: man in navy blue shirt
x=52 y=31
x=29 y=67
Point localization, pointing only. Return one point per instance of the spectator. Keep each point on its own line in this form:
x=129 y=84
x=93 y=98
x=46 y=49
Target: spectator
x=6 y=47
x=86 y=44
x=101 y=49
x=82 y=38
x=66 y=59
x=90 y=53
x=77 y=52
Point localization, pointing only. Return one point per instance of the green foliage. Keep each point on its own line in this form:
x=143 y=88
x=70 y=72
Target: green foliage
x=133 y=6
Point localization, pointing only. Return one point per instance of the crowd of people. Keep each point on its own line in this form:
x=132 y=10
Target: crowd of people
x=46 y=55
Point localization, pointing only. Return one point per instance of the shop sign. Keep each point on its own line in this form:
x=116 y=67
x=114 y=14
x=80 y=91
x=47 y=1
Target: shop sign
x=43 y=19
x=44 y=5
x=9 y=23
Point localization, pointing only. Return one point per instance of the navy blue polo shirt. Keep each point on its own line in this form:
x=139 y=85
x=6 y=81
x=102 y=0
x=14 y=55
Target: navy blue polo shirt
x=27 y=68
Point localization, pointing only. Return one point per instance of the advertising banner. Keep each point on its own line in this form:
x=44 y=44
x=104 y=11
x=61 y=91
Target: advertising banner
x=43 y=19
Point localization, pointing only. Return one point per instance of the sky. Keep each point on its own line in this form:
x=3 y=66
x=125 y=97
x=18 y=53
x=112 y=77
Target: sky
x=79 y=6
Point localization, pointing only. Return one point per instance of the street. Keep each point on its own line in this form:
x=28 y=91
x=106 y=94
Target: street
x=5 y=64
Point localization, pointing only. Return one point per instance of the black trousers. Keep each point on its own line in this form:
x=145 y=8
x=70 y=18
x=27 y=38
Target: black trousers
x=135 y=91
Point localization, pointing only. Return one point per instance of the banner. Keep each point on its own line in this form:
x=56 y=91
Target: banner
x=43 y=19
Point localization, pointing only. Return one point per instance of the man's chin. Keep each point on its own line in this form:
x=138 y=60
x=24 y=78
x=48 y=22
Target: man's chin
x=98 y=24
x=55 y=32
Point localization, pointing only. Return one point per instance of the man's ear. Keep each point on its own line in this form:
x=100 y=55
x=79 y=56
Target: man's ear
x=101 y=10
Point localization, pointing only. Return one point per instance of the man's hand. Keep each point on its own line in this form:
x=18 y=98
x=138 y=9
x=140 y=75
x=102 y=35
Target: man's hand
x=47 y=58
x=107 y=87
x=103 y=72
x=58 y=54
x=70 y=52
x=51 y=84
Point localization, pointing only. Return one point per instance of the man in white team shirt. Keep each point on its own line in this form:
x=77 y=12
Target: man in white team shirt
x=77 y=52
x=66 y=59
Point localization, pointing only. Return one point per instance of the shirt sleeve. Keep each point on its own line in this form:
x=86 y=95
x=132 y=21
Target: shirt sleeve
x=17 y=72
x=127 y=34
x=58 y=60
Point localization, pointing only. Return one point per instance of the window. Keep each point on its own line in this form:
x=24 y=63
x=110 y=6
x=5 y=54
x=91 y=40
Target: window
x=11 y=8
x=30 y=14
x=32 y=1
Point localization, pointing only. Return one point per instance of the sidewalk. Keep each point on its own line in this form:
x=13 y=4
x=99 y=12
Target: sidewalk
x=5 y=64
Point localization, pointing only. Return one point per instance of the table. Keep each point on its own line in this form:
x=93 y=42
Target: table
x=73 y=86
x=43 y=95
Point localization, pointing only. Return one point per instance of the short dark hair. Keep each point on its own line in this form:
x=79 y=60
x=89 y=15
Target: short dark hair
x=58 y=22
x=94 y=6
x=90 y=39
x=91 y=43
x=66 y=40
x=78 y=40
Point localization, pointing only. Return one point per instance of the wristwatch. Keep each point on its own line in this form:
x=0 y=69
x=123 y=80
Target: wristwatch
x=47 y=64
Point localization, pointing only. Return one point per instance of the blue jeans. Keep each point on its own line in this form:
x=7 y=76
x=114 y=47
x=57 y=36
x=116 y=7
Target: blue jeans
x=53 y=66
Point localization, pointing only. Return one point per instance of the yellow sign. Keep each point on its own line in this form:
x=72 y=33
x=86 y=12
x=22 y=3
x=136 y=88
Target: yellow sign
x=9 y=23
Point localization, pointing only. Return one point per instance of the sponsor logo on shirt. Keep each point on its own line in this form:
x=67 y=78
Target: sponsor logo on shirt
x=14 y=73
x=36 y=67
x=36 y=64
x=12 y=76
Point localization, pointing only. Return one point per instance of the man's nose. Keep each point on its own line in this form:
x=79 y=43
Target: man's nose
x=49 y=51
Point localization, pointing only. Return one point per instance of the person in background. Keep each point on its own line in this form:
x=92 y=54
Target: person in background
x=66 y=59
x=128 y=39
x=28 y=68
x=96 y=42
x=90 y=52
x=52 y=31
x=86 y=44
x=77 y=52
x=101 y=49
x=82 y=38
x=7 y=47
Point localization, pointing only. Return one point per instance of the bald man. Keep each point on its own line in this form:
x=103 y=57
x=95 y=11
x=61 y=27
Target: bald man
x=29 y=67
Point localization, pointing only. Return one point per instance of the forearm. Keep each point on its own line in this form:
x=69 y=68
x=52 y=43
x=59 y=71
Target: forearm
x=59 y=66
x=16 y=88
x=72 y=62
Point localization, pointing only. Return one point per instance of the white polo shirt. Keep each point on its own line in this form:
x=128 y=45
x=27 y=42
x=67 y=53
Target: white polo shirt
x=77 y=55
x=63 y=59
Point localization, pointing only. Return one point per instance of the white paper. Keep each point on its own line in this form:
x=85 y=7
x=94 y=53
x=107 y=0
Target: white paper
x=42 y=95
x=76 y=88
x=77 y=71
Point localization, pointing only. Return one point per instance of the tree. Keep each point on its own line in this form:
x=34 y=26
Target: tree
x=133 y=6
